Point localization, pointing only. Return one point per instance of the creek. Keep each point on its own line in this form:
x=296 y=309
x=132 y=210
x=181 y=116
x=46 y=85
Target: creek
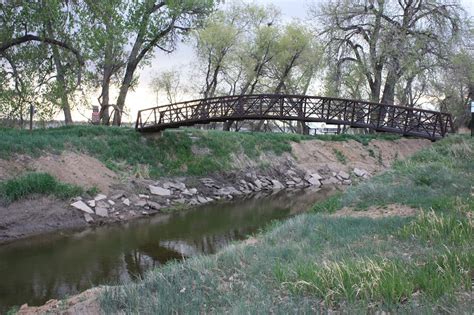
x=58 y=265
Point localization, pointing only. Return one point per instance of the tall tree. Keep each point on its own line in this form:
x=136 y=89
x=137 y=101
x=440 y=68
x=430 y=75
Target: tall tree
x=386 y=38
x=156 y=25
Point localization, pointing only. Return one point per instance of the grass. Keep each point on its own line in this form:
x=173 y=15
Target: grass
x=340 y=156
x=313 y=263
x=433 y=178
x=123 y=149
x=36 y=183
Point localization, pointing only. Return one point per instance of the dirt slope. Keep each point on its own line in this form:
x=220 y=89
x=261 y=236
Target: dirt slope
x=315 y=155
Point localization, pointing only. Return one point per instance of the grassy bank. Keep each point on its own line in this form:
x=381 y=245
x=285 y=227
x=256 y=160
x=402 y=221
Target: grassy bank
x=177 y=152
x=36 y=184
x=315 y=262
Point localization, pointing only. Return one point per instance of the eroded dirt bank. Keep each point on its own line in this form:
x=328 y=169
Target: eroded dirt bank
x=123 y=197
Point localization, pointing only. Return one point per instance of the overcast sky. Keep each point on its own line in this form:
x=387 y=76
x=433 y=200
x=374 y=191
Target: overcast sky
x=183 y=57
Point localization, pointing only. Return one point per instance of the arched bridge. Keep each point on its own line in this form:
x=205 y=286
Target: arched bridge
x=406 y=121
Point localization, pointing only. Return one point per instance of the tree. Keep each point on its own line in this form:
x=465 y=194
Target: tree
x=156 y=25
x=170 y=83
x=32 y=32
x=387 y=38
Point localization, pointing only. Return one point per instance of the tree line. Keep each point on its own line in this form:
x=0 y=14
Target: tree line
x=54 y=53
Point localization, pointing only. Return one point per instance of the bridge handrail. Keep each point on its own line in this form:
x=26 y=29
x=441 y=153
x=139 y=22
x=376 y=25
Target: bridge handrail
x=293 y=96
x=357 y=113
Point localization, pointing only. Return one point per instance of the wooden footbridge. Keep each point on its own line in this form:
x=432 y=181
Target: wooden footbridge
x=402 y=120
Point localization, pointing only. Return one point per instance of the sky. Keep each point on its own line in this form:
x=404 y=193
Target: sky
x=183 y=58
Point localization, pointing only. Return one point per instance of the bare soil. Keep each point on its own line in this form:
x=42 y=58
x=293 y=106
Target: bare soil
x=85 y=303
x=37 y=216
x=78 y=169
x=315 y=155
x=69 y=167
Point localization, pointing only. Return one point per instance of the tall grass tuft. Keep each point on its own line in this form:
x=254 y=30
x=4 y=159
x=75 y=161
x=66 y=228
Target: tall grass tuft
x=450 y=229
x=36 y=183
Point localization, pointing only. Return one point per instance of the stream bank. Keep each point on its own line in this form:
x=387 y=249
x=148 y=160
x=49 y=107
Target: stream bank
x=128 y=194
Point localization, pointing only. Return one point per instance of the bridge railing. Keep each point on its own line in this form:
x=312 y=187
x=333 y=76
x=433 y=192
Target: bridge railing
x=355 y=113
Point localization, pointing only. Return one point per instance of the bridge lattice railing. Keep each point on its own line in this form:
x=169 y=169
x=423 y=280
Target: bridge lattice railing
x=355 y=113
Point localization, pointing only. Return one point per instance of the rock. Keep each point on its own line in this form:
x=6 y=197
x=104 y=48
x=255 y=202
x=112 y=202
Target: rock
x=227 y=191
x=159 y=191
x=117 y=196
x=100 y=197
x=343 y=175
x=190 y=191
x=346 y=182
x=91 y=203
x=330 y=181
x=291 y=173
x=360 y=172
x=111 y=202
x=102 y=212
x=314 y=182
x=316 y=176
x=126 y=202
x=102 y=204
x=296 y=179
x=154 y=205
x=277 y=185
x=201 y=199
x=178 y=186
x=290 y=183
x=88 y=218
x=140 y=203
x=258 y=184
x=144 y=213
x=80 y=205
x=143 y=196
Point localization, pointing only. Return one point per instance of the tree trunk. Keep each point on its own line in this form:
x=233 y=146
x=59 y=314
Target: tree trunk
x=61 y=81
x=388 y=96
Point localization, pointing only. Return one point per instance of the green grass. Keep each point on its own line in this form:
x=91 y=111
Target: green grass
x=340 y=156
x=124 y=149
x=432 y=178
x=36 y=183
x=314 y=262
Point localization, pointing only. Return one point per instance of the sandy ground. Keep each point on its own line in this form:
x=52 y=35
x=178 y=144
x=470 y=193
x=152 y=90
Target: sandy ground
x=85 y=303
x=317 y=155
x=68 y=167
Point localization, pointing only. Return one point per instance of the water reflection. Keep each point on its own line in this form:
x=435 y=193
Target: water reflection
x=36 y=270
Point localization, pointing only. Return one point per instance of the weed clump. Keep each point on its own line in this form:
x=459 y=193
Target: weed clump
x=36 y=183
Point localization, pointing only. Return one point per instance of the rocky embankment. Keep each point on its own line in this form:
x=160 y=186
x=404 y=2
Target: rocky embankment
x=177 y=193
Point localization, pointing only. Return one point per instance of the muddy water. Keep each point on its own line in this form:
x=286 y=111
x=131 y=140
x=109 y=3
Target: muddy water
x=56 y=266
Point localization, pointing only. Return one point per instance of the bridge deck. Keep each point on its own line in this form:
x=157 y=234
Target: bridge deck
x=402 y=120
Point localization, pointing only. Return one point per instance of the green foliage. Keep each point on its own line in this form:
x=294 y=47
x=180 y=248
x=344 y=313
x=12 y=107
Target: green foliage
x=329 y=205
x=36 y=183
x=432 y=178
x=382 y=280
x=454 y=229
x=340 y=156
x=124 y=149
